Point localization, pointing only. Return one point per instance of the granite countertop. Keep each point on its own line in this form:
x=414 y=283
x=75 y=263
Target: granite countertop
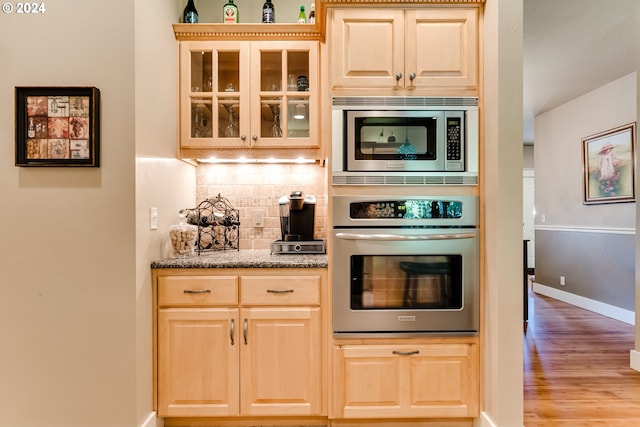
x=249 y=258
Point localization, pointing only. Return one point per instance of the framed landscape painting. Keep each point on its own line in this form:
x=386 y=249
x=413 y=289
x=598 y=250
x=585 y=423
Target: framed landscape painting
x=609 y=166
x=57 y=126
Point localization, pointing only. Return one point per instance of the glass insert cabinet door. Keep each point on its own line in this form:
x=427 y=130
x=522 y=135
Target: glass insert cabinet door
x=286 y=96
x=214 y=94
x=248 y=94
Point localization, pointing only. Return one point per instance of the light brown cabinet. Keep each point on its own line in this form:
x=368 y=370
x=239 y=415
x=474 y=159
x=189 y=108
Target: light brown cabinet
x=256 y=96
x=403 y=380
x=240 y=343
x=420 y=51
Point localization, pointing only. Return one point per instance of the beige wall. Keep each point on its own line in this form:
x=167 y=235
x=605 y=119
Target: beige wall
x=558 y=156
x=502 y=380
x=68 y=312
x=161 y=180
x=76 y=304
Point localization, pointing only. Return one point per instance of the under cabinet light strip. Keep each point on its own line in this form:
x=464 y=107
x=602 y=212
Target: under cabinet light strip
x=243 y=160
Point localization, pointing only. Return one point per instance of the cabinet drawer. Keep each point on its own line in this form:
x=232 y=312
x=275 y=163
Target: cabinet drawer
x=280 y=290
x=197 y=290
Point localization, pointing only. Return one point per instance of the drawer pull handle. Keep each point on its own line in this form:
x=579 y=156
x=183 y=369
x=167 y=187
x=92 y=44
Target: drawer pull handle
x=245 y=331
x=232 y=331
x=280 y=291
x=197 y=291
x=406 y=353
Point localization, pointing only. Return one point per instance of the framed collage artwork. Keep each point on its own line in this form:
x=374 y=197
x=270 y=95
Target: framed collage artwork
x=57 y=126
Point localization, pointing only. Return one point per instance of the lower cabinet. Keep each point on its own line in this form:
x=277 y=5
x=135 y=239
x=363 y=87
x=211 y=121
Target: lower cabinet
x=240 y=345
x=427 y=380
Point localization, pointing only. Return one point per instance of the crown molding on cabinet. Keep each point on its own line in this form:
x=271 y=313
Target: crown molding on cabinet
x=208 y=31
x=397 y=2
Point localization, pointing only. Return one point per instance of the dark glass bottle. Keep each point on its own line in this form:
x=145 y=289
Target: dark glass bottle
x=190 y=14
x=312 y=14
x=268 y=13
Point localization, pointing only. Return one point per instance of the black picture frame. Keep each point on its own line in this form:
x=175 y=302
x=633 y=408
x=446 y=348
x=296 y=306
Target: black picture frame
x=57 y=126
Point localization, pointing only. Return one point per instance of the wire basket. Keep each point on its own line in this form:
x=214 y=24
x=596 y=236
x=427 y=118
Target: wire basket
x=218 y=225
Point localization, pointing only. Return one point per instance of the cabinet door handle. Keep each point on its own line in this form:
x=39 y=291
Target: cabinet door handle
x=406 y=353
x=245 y=331
x=412 y=76
x=197 y=291
x=243 y=137
x=232 y=331
x=254 y=137
x=398 y=76
x=280 y=291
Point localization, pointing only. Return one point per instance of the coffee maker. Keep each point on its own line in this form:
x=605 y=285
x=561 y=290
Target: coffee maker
x=297 y=220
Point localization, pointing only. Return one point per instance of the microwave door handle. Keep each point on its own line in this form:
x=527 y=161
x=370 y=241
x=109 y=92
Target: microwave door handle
x=396 y=237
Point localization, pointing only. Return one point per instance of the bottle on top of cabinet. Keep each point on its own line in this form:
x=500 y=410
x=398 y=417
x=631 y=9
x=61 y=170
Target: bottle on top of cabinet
x=268 y=13
x=302 y=16
x=230 y=13
x=312 y=14
x=190 y=14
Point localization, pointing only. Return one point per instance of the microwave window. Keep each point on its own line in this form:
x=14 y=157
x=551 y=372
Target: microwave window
x=381 y=282
x=395 y=138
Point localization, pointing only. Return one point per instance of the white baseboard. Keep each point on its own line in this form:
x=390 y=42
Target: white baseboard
x=485 y=421
x=153 y=421
x=608 y=310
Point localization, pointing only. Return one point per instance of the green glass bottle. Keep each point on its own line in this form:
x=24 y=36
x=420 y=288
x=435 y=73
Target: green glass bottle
x=302 y=17
x=230 y=13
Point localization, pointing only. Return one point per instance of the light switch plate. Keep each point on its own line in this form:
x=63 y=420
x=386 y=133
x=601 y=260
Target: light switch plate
x=153 y=218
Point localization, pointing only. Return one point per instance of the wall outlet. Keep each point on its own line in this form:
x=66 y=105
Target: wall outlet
x=257 y=219
x=562 y=282
x=543 y=218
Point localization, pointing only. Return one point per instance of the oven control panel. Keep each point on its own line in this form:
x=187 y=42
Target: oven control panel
x=409 y=209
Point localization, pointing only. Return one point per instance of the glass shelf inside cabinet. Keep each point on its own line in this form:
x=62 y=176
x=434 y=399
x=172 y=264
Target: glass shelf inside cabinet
x=201 y=71
x=201 y=125
x=228 y=117
x=298 y=117
x=271 y=71
x=297 y=71
x=271 y=117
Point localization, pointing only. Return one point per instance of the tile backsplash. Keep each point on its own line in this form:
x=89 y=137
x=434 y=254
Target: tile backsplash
x=254 y=189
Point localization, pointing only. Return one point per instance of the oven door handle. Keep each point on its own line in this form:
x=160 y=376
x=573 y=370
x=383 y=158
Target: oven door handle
x=404 y=237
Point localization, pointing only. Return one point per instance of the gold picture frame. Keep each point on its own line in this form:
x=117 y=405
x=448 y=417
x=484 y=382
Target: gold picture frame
x=609 y=166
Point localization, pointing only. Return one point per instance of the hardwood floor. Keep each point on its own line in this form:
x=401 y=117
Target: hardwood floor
x=576 y=368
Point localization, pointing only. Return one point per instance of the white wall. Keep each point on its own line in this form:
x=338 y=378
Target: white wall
x=67 y=311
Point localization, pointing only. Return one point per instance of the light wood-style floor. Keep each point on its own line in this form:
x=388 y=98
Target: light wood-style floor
x=576 y=368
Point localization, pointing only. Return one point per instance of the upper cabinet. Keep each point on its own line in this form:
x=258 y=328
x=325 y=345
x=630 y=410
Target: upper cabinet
x=257 y=99
x=405 y=51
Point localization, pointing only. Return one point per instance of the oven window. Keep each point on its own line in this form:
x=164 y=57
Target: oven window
x=406 y=281
x=395 y=138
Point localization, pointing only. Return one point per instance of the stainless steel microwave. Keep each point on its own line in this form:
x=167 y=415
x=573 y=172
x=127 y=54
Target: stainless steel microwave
x=404 y=140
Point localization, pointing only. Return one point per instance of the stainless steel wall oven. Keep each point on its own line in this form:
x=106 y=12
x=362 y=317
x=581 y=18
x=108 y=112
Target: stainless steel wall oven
x=405 y=265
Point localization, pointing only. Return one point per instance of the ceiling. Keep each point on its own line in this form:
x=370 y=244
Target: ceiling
x=572 y=47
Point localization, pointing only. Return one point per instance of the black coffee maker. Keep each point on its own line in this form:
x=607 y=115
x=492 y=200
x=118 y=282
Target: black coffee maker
x=297 y=216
